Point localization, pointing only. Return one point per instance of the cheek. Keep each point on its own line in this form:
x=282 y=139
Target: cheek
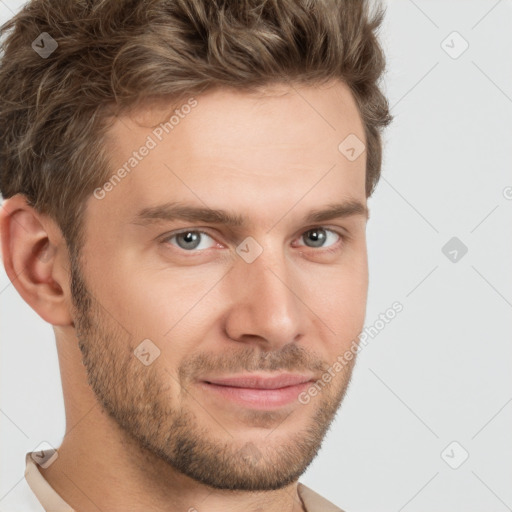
x=161 y=304
x=342 y=301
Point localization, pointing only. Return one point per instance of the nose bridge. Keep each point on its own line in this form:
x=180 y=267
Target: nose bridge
x=266 y=303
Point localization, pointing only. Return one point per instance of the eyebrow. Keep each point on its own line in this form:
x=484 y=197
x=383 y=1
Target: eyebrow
x=178 y=211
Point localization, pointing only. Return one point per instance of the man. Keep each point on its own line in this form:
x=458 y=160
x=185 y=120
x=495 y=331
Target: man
x=186 y=186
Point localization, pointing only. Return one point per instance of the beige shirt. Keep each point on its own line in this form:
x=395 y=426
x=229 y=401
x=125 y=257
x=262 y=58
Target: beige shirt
x=23 y=499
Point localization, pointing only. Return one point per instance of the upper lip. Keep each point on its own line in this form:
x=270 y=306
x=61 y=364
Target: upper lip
x=261 y=381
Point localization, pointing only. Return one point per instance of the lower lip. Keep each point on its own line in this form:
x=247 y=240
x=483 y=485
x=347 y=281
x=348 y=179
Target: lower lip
x=258 y=398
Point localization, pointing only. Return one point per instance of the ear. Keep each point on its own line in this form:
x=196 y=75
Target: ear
x=36 y=260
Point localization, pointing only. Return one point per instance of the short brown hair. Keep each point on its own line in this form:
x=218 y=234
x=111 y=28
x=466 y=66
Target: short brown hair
x=113 y=55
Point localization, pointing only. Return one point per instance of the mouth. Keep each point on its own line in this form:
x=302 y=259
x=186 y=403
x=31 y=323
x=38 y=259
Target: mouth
x=258 y=391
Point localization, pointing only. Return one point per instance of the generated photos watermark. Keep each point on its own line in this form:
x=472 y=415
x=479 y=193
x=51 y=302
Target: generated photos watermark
x=152 y=140
x=369 y=332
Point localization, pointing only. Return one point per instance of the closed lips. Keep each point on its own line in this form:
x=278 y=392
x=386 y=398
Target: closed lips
x=251 y=382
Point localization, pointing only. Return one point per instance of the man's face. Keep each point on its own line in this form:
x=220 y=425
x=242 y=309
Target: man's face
x=216 y=303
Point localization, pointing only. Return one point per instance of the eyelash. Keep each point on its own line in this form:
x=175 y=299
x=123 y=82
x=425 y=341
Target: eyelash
x=332 y=249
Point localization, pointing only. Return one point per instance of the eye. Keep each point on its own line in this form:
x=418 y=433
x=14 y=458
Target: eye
x=195 y=241
x=318 y=237
x=189 y=240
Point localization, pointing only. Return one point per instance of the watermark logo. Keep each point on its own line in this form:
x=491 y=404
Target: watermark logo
x=351 y=147
x=44 y=455
x=454 y=45
x=44 y=45
x=249 y=249
x=250 y=454
x=455 y=455
x=454 y=249
x=146 y=352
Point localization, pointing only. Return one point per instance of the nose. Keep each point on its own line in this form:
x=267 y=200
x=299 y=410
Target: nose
x=266 y=306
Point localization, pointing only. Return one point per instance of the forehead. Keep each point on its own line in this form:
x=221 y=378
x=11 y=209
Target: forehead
x=242 y=148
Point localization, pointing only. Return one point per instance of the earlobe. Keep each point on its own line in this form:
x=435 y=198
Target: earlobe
x=32 y=248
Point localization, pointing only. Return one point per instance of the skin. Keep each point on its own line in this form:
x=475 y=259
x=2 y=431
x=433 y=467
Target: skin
x=271 y=157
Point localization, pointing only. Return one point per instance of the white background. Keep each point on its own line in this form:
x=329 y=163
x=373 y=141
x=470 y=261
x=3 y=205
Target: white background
x=441 y=370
